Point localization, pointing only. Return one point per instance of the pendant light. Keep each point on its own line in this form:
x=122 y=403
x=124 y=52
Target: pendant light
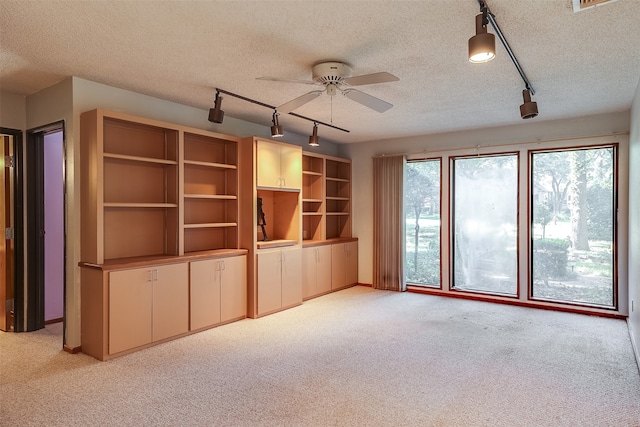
x=482 y=46
x=216 y=115
x=276 y=129
x=313 y=139
x=529 y=109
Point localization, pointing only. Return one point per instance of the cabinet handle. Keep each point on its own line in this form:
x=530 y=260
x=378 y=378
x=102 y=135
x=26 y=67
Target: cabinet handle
x=222 y=266
x=155 y=274
x=150 y=279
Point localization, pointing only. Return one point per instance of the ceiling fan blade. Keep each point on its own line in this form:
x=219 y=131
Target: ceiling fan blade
x=276 y=79
x=369 y=79
x=367 y=100
x=299 y=101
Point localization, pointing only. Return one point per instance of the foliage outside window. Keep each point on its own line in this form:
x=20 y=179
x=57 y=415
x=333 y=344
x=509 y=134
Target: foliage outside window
x=573 y=217
x=422 y=223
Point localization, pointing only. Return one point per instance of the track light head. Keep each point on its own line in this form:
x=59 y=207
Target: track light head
x=313 y=139
x=276 y=129
x=529 y=109
x=216 y=115
x=482 y=46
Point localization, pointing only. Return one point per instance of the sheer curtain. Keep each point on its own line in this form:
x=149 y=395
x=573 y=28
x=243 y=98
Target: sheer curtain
x=388 y=223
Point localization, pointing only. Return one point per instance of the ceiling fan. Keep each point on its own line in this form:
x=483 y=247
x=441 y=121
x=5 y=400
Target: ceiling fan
x=336 y=78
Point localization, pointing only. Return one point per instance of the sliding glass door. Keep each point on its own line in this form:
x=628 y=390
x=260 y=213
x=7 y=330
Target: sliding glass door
x=422 y=223
x=485 y=218
x=573 y=211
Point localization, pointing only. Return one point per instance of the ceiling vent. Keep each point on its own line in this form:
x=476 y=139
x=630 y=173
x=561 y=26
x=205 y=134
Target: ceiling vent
x=580 y=5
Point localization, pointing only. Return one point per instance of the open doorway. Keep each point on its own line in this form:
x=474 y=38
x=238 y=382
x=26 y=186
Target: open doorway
x=45 y=183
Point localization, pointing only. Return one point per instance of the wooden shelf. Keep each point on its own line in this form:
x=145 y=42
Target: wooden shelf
x=312 y=200
x=312 y=173
x=311 y=213
x=338 y=198
x=139 y=205
x=139 y=159
x=336 y=179
x=210 y=165
x=338 y=213
x=212 y=225
x=211 y=196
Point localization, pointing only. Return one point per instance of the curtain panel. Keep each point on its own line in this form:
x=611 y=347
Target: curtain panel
x=388 y=223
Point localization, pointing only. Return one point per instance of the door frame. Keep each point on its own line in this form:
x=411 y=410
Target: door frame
x=34 y=316
x=18 y=224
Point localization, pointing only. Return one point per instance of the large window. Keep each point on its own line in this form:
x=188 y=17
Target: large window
x=485 y=218
x=573 y=225
x=422 y=219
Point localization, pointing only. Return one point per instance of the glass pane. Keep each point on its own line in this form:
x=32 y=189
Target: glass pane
x=572 y=225
x=422 y=219
x=485 y=194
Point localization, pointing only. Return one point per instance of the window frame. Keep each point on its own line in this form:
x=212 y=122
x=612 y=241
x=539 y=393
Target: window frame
x=615 y=219
x=451 y=220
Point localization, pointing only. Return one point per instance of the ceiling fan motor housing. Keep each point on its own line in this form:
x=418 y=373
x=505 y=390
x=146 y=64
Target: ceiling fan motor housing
x=331 y=72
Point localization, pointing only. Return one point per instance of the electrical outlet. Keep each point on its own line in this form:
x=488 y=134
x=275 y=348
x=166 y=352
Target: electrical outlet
x=632 y=306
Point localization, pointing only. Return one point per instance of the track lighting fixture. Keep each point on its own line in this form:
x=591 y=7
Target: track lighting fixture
x=276 y=129
x=313 y=139
x=216 y=115
x=529 y=109
x=482 y=46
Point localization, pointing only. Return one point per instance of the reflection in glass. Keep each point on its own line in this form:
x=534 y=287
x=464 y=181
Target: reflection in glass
x=485 y=213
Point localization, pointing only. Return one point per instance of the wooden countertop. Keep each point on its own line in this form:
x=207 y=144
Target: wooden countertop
x=134 y=262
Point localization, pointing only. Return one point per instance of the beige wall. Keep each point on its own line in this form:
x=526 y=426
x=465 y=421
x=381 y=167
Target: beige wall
x=13 y=111
x=525 y=135
x=634 y=225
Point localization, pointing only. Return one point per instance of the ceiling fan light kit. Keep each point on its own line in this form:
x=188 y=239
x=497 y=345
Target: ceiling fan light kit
x=480 y=50
x=336 y=77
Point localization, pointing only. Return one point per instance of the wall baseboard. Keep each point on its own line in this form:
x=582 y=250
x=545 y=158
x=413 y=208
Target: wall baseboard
x=368 y=285
x=634 y=344
x=72 y=350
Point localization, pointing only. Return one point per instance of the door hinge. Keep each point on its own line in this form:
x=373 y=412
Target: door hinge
x=8 y=233
x=8 y=162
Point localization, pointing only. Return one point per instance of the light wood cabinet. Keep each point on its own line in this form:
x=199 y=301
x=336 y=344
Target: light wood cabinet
x=316 y=271
x=218 y=289
x=154 y=189
x=132 y=304
x=278 y=165
x=344 y=264
x=326 y=197
x=279 y=280
x=338 y=198
x=147 y=305
x=210 y=192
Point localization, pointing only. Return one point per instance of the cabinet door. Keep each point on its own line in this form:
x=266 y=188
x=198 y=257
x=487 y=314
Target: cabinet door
x=309 y=269
x=130 y=305
x=291 y=277
x=291 y=167
x=170 y=300
x=323 y=276
x=338 y=266
x=233 y=289
x=352 y=263
x=268 y=164
x=204 y=283
x=269 y=282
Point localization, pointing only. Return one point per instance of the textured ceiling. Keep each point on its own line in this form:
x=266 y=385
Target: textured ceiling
x=578 y=63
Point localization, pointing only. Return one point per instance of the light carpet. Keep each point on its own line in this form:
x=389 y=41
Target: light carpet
x=358 y=357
